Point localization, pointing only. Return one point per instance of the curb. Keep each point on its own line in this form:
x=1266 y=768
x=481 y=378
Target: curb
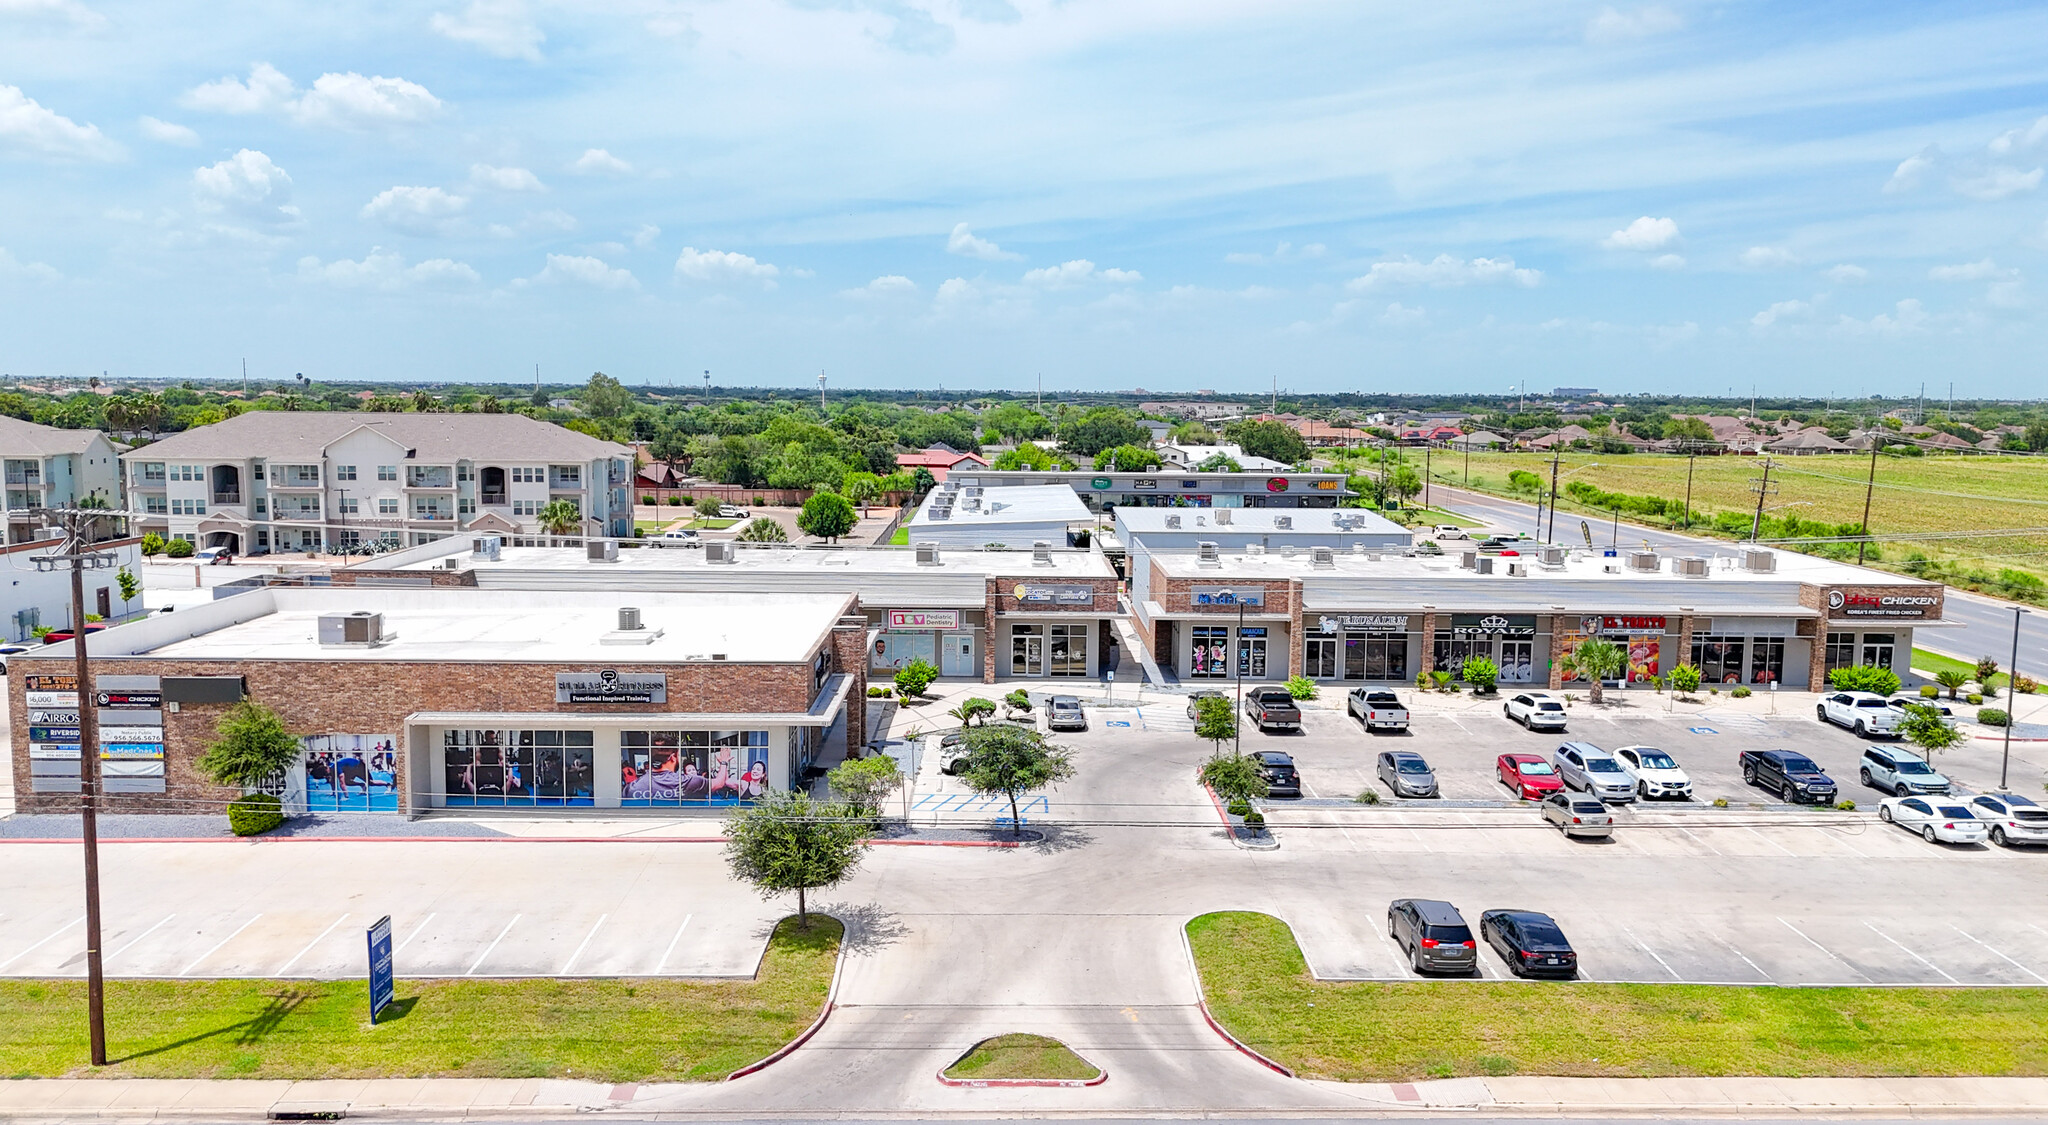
x=1101 y=1076
x=1202 y=1003
x=831 y=1002
x=1232 y=828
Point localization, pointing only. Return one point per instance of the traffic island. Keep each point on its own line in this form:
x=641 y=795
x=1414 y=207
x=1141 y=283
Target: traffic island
x=1258 y=990
x=1018 y=1059
x=621 y=1030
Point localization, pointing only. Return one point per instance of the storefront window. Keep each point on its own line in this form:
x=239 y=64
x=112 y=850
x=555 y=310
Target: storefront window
x=1719 y=659
x=1207 y=660
x=1067 y=647
x=351 y=772
x=1877 y=649
x=1841 y=652
x=1517 y=662
x=1766 y=660
x=1645 y=657
x=518 y=767
x=1319 y=659
x=1251 y=654
x=1375 y=656
x=670 y=768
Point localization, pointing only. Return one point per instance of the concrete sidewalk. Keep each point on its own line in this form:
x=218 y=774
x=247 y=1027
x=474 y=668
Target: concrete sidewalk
x=454 y=1099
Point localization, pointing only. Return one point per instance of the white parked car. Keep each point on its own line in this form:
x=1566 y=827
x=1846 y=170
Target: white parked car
x=728 y=512
x=680 y=537
x=1900 y=702
x=1945 y=819
x=1585 y=766
x=2013 y=819
x=1656 y=773
x=1866 y=713
x=1447 y=531
x=1535 y=709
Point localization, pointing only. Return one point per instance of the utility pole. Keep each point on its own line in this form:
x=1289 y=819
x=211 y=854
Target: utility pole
x=1551 y=535
x=76 y=552
x=536 y=378
x=1276 y=392
x=1763 y=489
x=1426 y=451
x=1688 y=488
x=1869 y=486
x=2012 y=676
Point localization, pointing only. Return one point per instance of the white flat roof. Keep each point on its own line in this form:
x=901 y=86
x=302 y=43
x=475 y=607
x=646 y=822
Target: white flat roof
x=1024 y=503
x=1138 y=522
x=1066 y=563
x=1580 y=565
x=496 y=626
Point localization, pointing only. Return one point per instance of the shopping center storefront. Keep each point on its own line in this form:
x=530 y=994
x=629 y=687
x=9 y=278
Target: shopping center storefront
x=947 y=639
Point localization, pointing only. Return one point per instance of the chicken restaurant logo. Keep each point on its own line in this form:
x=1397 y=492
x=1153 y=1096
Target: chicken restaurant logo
x=1867 y=603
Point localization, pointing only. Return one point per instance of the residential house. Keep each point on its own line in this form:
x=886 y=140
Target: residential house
x=1478 y=440
x=940 y=459
x=46 y=467
x=1189 y=456
x=1811 y=440
x=1562 y=438
x=320 y=480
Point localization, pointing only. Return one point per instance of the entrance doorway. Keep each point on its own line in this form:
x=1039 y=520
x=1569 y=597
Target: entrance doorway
x=1251 y=654
x=1518 y=662
x=956 y=655
x=1319 y=659
x=1027 y=651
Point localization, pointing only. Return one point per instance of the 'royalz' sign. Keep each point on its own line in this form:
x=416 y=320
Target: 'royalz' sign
x=1868 y=603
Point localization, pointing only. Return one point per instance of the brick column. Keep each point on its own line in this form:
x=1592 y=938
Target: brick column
x=1557 y=650
x=988 y=618
x=850 y=645
x=1427 y=658
x=1295 y=639
x=1817 y=658
x=1684 y=654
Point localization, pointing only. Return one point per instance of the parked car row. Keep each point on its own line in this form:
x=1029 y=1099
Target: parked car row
x=2006 y=819
x=1436 y=939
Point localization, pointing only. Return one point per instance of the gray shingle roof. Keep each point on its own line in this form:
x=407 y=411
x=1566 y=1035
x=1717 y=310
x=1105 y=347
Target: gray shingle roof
x=281 y=434
x=28 y=439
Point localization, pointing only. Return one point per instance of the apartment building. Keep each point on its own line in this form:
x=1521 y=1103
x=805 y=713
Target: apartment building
x=320 y=480
x=45 y=467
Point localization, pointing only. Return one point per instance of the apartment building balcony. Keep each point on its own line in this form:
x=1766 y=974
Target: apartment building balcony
x=285 y=484
x=31 y=478
x=220 y=498
x=566 y=486
x=494 y=499
x=297 y=515
x=429 y=479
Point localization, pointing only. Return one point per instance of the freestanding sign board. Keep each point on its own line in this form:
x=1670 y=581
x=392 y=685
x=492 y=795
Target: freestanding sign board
x=380 y=966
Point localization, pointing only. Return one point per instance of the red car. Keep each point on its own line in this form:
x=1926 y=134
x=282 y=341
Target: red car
x=1529 y=776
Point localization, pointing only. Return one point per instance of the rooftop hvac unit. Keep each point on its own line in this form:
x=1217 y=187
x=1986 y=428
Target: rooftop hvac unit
x=1372 y=556
x=359 y=628
x=1041 y=553
x=721 y=552
x=928 y=554
x=1551 y=556
x=1205 y=555
x=1643 y=560
x=486 y=547
x=1692 y=566
x=629 y=618
x=1358 y=548
x=1173 y=523
x=1469 y=560
x=1322 y=558
x=1223 y=517
x=1517 y=569
x=1284 y=523
x=601 y=550
x=450 y=564
x=1255 y=549
x=1760 y=560
x=1483 y=564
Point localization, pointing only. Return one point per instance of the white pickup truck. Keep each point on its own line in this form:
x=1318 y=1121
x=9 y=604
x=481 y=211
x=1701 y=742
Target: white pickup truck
x=1865 y=713
x=1377 y=708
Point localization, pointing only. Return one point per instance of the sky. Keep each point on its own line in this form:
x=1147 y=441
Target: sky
x=1820 y=199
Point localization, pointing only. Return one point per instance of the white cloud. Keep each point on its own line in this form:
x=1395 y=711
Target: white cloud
x=1285 y=252
x=495 y=27
x=1768 y=257
x=1080 y=271
x=645 y=236
x=893 y=285
x=1668 y=262
x=247 y=185
x=1998 y=183
x=2020 y=141
x=963 y=242
x=342 y=101
x=64 y=11
x=504 y=179
x=27 y=126
x=14 y=269
x=570 y=269
x=1402 y=315
x=722 y=265
x=1444 y=271
x=957 y=291
x=1612 y=26
x=1847 y=274
x=1645 y=233
x=596 y=161
x=385 y=269
x=1780 y=311
x=415 y=210
x=168 y=133
x=1908 y=174
x=1907 y=316
x=2006 y=294
x=1986 y=270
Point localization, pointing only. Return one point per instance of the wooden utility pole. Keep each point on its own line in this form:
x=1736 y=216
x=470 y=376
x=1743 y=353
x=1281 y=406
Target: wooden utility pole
x=1551 y=535
x=1688 y=489
x=1869 y=486
x=1763 y=489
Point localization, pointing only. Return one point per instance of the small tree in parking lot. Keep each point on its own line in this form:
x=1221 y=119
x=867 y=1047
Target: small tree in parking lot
x=1923 y=727
x=1010 y=760
x=1234 y=777
x=789 y=842
x=1215 y=721
x=865 y=781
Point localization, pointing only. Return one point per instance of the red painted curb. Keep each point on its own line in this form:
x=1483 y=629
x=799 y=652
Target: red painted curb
x=949 y=843
x=1060 y=1083
x=1202 y=1003
x=831 y=1002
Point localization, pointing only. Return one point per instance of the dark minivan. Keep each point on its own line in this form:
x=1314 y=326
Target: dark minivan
x=1434 y=934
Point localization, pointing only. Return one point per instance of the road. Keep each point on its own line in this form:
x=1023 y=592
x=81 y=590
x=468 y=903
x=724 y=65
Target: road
x=1986 y=622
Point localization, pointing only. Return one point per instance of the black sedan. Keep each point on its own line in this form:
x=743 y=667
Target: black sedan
x=1278 y=769
x=1530 y=943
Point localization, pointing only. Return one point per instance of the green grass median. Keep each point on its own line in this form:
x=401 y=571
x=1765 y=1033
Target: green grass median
x=1021 y=1056
x=1258 y=986
x=612 y=1030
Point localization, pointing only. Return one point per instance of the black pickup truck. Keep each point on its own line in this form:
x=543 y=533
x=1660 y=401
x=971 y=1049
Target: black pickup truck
x=1272 y=708
x=1792 y=776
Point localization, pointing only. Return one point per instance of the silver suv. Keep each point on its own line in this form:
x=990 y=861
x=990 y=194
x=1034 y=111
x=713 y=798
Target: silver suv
x=1899 y=773
x=1586 y=766
x=1434 y=934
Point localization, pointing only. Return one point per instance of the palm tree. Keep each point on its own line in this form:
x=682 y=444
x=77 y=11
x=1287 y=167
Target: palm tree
x=763 y=529
x=1597 y=661
x=423 y=401
x=560 y=517
x=1952 y=679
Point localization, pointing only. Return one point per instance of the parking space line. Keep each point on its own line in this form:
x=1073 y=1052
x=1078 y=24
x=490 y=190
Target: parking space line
x=309 y=945
x=571 y=962
x=2008 y=960
x=52 y=937
x=1822 y=948
x=1640 y=944
x=1732 y=948
x=217 y=948
x=1842 y=838
x=1910 y=953
x=1702 y=843
x=659 y=965
x=478 y=963
x=1768 y=840
x=415 y=933
x=138 y=937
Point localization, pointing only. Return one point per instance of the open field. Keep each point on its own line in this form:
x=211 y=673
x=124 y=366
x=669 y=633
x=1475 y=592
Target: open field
x=1258 y=986
x=1913 y=494
x=618 y=1030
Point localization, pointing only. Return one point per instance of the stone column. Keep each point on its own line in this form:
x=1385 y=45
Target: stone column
x=1295 y=639
x=988 y=617
x=1686 y=624
x=1426 y=659
x=850 y=643
x=1557 y=650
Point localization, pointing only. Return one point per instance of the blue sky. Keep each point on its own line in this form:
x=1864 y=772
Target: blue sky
x=1839 y=199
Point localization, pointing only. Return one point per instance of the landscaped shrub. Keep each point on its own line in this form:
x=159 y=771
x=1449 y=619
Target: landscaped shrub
x=152 y=543
x=1685 y=678
x=2025 y=685
x=760 y=501
x=675 y=501
x=1255 y=820
x=179 y=548
x=254 y=814
x=1742 y=692
x=1986 y=668
x=1929 y=691
x=1720 y=802
x=1865 y=677
x=1974 y=699
x=1301 y=687
x=1369 y=797
x=1846 y=805
x=1019 y=700
x=647 y=499
x=876 y=691
x=914 y=677
x=1992 y=717
x=1481 y=672
x=1238 y=808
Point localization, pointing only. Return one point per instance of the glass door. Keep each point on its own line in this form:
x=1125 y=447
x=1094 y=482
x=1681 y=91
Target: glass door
x=1251 y=654
x=1027 y=651
x=1518 y=662
x=1319 y=658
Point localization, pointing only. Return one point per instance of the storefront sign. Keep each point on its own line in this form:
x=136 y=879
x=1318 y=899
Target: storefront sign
x=131 y=700
x=1227 y=595
x=51 y=698
x=381 y=972
x=1055 y=595
x=53 y=734
x=1327 y=485
x=1098 y=483
x=610 y=686
x=1145 y=482
x=53 y=751
x=1276 y=484
x=131 y=734
x=1622 y=623
x=924 y=619
x=1492 y=625
x=65 y=718
x=1365 y=622
x=52 y=683
x=1867 y=603
x=117 y=751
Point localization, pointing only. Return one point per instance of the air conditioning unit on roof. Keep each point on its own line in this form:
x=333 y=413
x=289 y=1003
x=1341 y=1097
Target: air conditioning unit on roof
x=601 y=550
x=723 y=553
x=928 y=554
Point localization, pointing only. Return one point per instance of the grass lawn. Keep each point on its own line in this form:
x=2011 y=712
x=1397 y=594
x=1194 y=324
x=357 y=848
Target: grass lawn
x=1021 y=1056
x=622 y=1030
x=710 y=523
x=901 y=538
x=1434 y=516
x=1258 y=986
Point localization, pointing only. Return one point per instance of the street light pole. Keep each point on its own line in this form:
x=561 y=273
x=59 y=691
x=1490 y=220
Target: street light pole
x=2012 y=698
x=1237 y=725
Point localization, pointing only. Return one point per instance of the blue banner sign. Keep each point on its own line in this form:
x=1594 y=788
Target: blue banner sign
x=380 y=966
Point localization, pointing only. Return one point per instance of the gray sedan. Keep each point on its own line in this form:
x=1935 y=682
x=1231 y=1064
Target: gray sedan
x=1406 y=773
